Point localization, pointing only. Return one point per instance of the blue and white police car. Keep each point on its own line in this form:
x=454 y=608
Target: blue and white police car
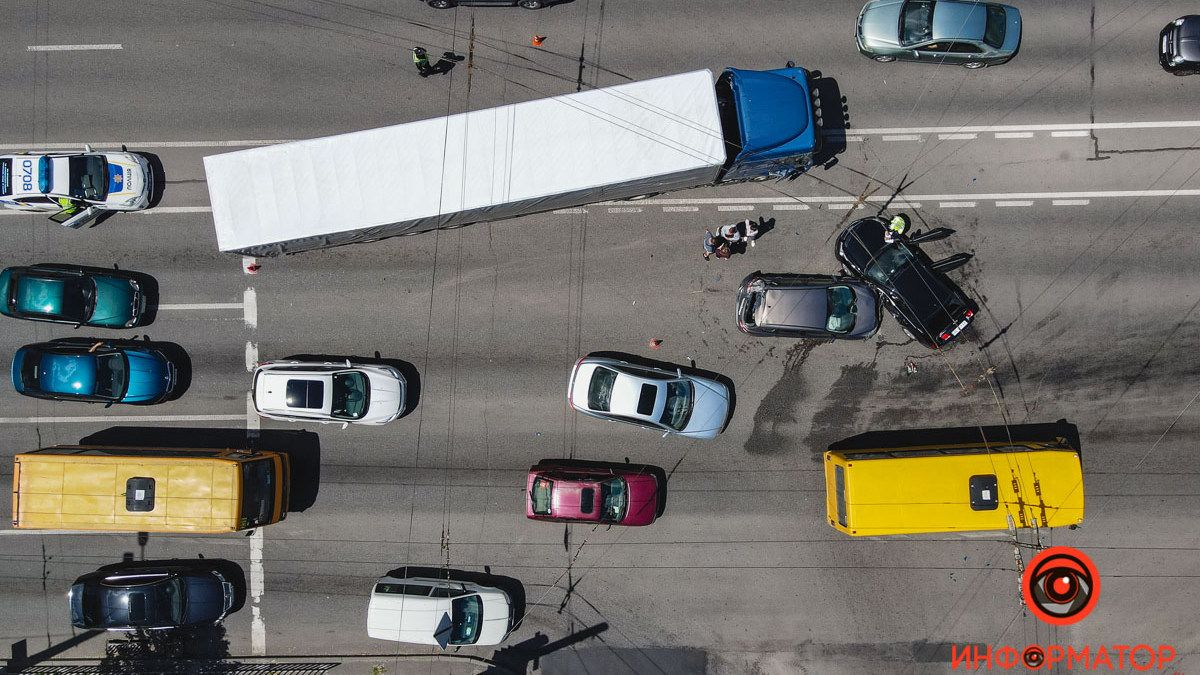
x=75 y=188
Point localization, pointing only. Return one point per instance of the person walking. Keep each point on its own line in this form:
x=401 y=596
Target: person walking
x=421 y=61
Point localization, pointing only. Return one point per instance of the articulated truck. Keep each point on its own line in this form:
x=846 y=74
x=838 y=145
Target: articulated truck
x=620 y=142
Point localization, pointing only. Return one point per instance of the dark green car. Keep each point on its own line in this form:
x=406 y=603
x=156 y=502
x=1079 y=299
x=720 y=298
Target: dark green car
x=970 y=34
x=83 y=296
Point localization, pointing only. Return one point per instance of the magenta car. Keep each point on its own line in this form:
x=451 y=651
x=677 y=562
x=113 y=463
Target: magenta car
x=619 y=496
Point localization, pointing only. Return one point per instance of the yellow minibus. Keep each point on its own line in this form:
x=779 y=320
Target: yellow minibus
x=953 y=488
x=127 y=489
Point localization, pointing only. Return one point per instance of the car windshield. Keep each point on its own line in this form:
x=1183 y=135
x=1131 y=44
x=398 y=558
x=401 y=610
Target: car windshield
x=466 y=617
x=540 y=495
x=350 y=394
x=614 y=499
x=679 y=405
x=889 y=262
x=258 y=493
x=110 y=375
x=916 y=22
x=993 y=33
x=841 y=309
x=600 y=388
x=89 y=177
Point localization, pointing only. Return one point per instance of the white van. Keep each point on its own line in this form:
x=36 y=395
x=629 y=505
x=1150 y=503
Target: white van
x=438 y=612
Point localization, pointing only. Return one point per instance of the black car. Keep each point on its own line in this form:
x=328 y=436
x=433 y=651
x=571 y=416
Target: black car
x=930 y=307
x=149 y=594
x=1179 y=46
x=527 y=4
x=807 y=306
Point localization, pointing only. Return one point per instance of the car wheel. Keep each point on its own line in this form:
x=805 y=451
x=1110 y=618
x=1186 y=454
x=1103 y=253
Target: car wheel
x=972 y=65
x=441 y=4
x=530 y=4
x=884 y=59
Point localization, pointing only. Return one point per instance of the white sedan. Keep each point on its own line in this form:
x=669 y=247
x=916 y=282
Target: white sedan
x=666 y=401
x=75 y=188
x=297 y=391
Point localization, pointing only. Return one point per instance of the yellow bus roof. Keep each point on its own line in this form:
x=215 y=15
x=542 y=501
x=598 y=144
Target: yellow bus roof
x=916 y=494
x=87 y=492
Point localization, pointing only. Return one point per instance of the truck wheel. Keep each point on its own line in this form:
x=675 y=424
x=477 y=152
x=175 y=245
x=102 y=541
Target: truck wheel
x=530 y=4
x=441 y=4
x=884 y=59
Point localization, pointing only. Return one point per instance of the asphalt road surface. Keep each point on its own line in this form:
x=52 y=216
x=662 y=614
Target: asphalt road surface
x=1079 y=207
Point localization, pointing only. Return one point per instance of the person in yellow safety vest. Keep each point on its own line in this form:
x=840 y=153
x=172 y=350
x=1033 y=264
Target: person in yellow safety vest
x=421 y=61
x=895 y=227
x=68 y=205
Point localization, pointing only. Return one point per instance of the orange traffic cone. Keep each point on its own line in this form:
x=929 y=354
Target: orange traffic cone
x=655 y=343
x=538 y=40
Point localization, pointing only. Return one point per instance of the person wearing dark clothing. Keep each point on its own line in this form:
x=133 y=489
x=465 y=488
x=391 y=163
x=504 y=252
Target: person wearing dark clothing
x=421 y=61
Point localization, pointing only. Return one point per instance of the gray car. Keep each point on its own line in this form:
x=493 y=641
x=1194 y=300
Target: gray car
x=807 y=306
x=971 y=34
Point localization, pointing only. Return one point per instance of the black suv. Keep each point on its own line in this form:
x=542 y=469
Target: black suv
x=154 y=594
x=807 y=306
x=930 y=307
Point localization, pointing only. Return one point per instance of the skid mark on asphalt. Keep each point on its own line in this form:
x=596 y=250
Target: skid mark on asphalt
x=778 y=407
x=836 y=418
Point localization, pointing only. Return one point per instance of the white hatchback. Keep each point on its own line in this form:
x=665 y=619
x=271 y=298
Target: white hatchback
x=323 y=391
x=438 y=612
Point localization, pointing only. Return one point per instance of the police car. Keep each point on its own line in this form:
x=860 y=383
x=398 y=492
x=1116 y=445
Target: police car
x=76 y=188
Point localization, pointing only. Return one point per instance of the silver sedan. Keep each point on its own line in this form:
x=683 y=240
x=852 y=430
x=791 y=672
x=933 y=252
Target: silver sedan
x=668 y=401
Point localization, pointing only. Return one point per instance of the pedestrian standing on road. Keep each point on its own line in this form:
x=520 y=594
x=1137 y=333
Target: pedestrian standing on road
x=751 y=229
x=895 y=227
x=421 y=61
x=731 y=233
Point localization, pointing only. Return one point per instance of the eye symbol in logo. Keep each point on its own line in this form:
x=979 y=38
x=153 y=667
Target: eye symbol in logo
x=1061 y=585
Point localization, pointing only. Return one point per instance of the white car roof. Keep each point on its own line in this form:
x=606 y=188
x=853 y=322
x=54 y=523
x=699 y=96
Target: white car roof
x=626 y=392
x=271 y=391
x=414 y=618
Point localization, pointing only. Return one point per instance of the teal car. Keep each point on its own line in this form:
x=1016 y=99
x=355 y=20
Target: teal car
x=967 y=33
x=94 y=371
x=83 y=296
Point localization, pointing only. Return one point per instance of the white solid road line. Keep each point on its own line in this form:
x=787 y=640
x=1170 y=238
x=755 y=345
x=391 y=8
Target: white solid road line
x=258 y=628
x=71 y=48
x=843 y=200
x=78 y=145
x=120 y=419
x=202 y=305
x=175 y=209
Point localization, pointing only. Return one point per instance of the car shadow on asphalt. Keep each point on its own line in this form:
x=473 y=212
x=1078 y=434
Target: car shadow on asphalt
x=412 y=376
x=303 y=449
x=690 y=369
x=514 y=588
x=659 y=473
x=159 y=177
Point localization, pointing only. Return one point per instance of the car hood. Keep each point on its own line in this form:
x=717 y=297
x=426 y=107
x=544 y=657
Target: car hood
x=114 y=302
x=867 y=319
x=496 y=619
x=149 y=376
x=710 y=408
x=5 y=288
x=387 y=397
x=126 y=178
x=643 y=499
x=1012 y=29
x=879 y=23
x=205 y=600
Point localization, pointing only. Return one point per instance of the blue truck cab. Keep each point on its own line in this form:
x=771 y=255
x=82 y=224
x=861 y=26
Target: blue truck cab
x=769 y=123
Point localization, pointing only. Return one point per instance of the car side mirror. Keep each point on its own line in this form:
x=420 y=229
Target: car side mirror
x=679 y=372
x=347 y=363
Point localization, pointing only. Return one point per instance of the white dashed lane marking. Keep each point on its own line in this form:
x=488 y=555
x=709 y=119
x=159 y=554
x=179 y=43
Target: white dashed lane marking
x=72 y=48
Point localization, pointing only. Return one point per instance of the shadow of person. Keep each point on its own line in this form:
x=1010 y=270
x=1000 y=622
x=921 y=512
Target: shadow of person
x=442 y=66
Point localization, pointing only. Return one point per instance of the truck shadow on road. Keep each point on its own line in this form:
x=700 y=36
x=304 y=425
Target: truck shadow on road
x=993 y=435
x=829 y=106
x=303 y=449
